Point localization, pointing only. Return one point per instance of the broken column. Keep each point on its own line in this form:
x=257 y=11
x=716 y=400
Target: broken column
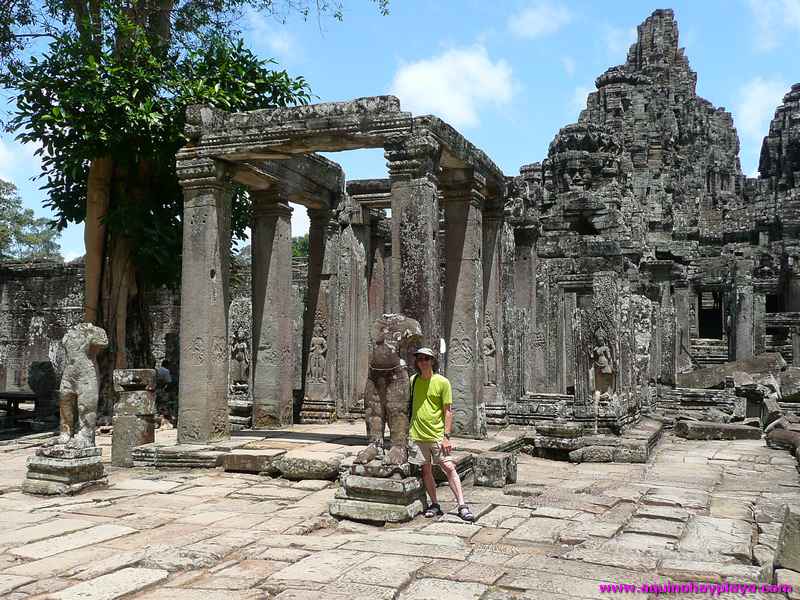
x=415 y=224
x=272 y=309
x=462 y=194
x=134 y=413
x=203 y=407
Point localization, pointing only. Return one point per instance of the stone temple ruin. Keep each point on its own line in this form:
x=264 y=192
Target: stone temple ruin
x=610 y=280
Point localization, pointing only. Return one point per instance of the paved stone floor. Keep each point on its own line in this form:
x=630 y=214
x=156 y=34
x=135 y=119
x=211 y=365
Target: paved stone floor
x=697 y=511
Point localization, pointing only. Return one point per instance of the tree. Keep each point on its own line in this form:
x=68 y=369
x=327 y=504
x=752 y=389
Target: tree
x=23 y=236
x=300 y=245
x=106 y=103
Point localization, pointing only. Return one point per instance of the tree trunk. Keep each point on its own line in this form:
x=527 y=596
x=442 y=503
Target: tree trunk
x=98 y=197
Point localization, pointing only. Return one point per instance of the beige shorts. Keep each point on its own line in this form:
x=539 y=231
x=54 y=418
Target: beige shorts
x=424 y=453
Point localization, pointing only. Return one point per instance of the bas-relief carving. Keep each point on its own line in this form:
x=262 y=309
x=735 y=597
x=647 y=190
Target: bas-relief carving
x=240 y=361
x=317 y=354
x=489 y=352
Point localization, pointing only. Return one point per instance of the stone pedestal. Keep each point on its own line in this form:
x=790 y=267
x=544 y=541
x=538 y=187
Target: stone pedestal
x=58 y=470
x=380 y=494
x=134 y=413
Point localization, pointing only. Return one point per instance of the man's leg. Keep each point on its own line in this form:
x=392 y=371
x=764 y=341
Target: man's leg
x=428 y=480
x=453 y=480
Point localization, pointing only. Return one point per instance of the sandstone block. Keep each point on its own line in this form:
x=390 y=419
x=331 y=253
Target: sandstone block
x=251 y=461
x=375 y=512
x=134 y=379
x=495 y=469
x=706 y=430
x=301 y=464
x=787 y=553
x=130 y=431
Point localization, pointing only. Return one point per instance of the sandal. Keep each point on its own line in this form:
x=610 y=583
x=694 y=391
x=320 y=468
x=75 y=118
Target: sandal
x=465 y=513
x=433 y=510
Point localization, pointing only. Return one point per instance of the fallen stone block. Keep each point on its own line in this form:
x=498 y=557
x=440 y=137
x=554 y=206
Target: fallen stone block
x=705 y=430
x=251 y=461
x=374 y=512
x=301 y=464
x=714 y=377
x=495 y=469
x=784 y=439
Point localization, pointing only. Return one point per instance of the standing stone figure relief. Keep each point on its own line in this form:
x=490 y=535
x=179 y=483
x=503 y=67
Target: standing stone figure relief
x=317 y=355
x=602 y=367
x=489 y=351
x=240 y=365
x=394 y=340
x=79 y=385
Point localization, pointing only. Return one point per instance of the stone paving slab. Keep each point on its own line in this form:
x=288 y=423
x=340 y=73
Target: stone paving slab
x=231 y=536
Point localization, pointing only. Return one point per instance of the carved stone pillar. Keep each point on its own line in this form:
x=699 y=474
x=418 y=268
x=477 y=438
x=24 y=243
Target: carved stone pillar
x=743 y=312
x=317 y=234
x=525 y=266
x=683 y=300
x=463 y=202
x=379 y=268
x=492 y=331
x=415 y=223
x=272 y=309
x=203 y=408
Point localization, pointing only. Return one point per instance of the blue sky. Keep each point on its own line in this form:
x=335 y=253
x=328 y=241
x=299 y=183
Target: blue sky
x=509 y=74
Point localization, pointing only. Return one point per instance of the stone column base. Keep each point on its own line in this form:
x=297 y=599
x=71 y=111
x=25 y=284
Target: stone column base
x=377 y=499
x=59 y=471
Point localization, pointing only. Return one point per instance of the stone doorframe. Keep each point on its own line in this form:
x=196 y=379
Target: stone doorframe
x=271 y=152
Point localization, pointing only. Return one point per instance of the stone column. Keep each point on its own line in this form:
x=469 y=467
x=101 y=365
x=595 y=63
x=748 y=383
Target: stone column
x=792 y=298
x=795 y=331
x=272 y=309
x=492 y=324
x=317 y=233
x=203 y=408
x=744 y=331
x=415 y=274
x=379 y=232
x=683 y=302
x=532 y=344
x=463 y=202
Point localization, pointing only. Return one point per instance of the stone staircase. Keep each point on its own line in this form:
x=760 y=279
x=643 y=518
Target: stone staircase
x=709 y=351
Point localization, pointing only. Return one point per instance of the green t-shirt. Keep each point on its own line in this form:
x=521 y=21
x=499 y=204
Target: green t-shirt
x=427 y=409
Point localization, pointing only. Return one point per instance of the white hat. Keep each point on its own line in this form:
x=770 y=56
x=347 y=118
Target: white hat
x=425 y=351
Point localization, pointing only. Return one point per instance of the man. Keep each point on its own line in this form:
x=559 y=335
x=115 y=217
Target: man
x=431 y=425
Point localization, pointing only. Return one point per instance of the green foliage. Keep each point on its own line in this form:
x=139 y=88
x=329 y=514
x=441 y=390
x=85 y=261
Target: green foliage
x=22 y=235
x=300 y=245
x=128 y=102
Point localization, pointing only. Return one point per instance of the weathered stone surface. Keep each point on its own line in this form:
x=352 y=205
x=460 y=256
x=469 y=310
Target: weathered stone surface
x=495 y=469
x=114 y=585
x=706 y=430
x=78 y=539
x=694 y=570
x=435 y=589
x=726 y=537
x=787 y=552
x=300 y=464
x=712 y=377
x=375 y=512
x=251 y=461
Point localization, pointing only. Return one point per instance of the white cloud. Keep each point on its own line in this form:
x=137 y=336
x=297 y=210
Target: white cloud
x=569 y=65
x=538 y=20
x=454 y=85
x=756 y=104
x=774 y=19
x=618 y=40
x=265 y=33
x=18 y=161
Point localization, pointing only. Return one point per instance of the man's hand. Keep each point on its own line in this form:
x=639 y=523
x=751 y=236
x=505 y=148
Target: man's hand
x=447 y=447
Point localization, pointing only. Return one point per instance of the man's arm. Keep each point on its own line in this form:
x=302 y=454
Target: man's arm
x=447 y=445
